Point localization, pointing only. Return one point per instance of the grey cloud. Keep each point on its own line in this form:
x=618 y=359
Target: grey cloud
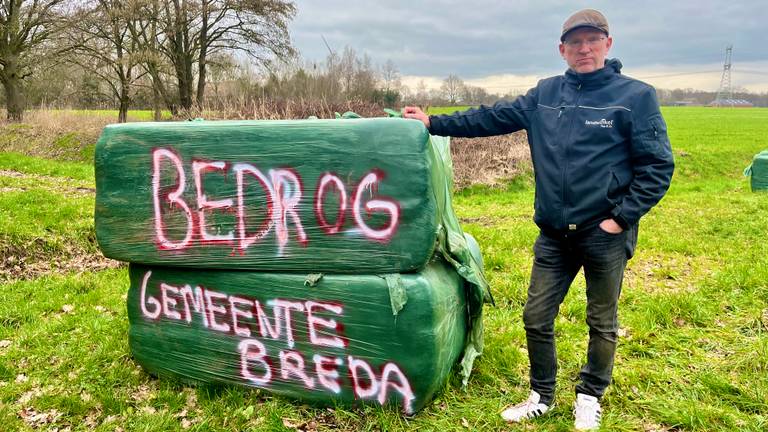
x=484 y=37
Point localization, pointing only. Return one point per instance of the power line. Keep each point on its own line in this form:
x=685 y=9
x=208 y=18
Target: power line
x=752 y=72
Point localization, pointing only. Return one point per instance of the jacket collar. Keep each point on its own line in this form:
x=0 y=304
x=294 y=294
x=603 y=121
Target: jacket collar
x=597 y=78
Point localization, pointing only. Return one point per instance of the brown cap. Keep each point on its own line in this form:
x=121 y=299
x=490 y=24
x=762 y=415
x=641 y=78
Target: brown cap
x=585 y=18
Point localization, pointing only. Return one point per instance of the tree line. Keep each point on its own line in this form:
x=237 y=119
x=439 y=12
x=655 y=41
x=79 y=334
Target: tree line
x=188 y=55
x=342 y=76
x=164 y=47
x=701 y=97
x=181 y=56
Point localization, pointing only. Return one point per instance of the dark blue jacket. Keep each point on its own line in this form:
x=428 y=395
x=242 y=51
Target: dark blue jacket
x=598 y=142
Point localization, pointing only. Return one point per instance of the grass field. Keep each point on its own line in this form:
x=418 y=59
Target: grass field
x=446 y=109
x=693 y=352
x=133 y=115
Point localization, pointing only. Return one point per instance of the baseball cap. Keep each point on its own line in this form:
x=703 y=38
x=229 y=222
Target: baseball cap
x=585 y=18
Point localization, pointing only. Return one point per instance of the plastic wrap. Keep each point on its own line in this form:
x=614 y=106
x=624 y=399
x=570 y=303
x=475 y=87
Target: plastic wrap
x=342 y=196
x=319 y=259
x=337 y=341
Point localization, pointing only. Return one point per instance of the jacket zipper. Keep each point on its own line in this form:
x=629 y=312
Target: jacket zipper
x=568 y=142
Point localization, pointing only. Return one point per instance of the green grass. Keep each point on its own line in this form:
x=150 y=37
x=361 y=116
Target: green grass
x=46 y=209
x=133 y=115
x=33 y=165
x=694 y=313
x=446 y=109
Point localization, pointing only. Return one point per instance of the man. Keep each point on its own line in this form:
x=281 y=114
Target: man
x=601 y=160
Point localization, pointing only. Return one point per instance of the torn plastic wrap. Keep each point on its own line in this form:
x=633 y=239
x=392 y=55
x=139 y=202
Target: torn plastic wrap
x=246 y=236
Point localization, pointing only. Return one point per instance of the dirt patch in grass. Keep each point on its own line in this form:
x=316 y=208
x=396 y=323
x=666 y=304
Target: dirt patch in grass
x=488 y=221
x=672 y=273
x=27 y=258
x=63 y=185
x=36 y=258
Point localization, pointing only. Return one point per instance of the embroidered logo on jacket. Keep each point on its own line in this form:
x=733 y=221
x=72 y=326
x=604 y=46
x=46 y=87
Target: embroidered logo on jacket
x=603 y=123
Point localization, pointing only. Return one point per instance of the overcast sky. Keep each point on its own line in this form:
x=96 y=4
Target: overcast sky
x=507 y=45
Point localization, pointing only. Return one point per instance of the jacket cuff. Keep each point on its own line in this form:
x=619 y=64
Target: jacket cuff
x=431 y=128
x=619 y=218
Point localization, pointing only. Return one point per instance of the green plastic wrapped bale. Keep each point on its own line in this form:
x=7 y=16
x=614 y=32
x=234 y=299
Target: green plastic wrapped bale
x=341 y=196
x=759 y=172
x=332 y=339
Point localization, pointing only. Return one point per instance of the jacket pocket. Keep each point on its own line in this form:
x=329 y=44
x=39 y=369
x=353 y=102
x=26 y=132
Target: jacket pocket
x=617 y=186
x=655 y=139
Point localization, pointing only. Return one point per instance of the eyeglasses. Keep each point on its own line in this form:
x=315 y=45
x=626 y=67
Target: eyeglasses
x=590 y=42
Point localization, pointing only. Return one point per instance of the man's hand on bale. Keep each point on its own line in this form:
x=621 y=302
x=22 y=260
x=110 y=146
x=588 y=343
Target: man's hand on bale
x=417 y=114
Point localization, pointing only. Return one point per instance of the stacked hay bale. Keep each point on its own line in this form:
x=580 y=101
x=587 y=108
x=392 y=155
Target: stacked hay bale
x=318 y=259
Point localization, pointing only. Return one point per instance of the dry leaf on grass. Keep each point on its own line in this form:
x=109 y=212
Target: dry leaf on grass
x=36 y=419
x=34 y=259
x=92 y=420
x=191 y=399
x=291 y=424
x=29 y=395
x=148 y=409
x=143 y=393
x=653 y=427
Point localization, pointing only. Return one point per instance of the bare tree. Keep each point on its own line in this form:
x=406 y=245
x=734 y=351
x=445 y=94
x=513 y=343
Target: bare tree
x=195 y=30
x=390 y=76
x=474 y=95
x=451 y=88
x=222 y=67
x=102 y=34
x=345 y=69
x=25 y=27
x=422 y=94
x=155 y=63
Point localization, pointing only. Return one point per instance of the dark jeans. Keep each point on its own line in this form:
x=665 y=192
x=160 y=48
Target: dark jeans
x=558 y=259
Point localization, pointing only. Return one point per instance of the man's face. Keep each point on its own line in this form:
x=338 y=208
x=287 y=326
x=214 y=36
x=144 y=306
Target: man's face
x=585 y=49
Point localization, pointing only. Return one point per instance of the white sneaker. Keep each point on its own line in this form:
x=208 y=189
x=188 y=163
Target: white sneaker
x=587 y=411
x=527 y=409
